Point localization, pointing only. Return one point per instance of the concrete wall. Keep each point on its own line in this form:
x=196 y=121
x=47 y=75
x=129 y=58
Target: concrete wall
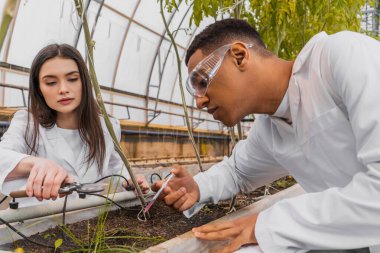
x=151 y=143
x=143 y=146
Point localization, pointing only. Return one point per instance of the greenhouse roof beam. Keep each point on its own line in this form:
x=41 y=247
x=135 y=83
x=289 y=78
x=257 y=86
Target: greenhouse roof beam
x=9 y=66
x=191 y=107
x=157 y=112
x=77 y=36
x=101 y=3
x=22 y=89
x=122 y=47
x=138 y=23
x=166 y=58
x=149 y=84
x=108 y=89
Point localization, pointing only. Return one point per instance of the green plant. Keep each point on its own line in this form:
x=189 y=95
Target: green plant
x=285 y=26
x=170 y=7
x=99 y=242
x=90 y=50
x=8 y=13
x=57 y=244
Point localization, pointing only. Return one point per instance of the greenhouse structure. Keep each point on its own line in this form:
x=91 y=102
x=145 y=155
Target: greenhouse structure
x=189 y=126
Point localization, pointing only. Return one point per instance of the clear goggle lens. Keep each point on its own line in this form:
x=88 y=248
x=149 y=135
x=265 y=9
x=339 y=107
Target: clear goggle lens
x=197 y=83
x=201 y=76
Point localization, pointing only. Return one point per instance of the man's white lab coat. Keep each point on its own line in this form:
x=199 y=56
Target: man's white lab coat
x=332 y=148
x=53 y=146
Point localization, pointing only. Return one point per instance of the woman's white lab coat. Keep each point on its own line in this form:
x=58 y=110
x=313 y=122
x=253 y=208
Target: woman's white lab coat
x=332 y=148
x=52 y=146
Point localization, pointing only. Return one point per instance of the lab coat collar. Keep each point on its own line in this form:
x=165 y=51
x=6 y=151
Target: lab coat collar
x=294 y=87
x=283 y=109
x=306 y=51
x=63 y=150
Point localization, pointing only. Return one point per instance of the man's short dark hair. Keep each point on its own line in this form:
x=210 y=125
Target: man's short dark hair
x=223 y=32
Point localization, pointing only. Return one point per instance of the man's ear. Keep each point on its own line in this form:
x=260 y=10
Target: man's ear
x=240 y=55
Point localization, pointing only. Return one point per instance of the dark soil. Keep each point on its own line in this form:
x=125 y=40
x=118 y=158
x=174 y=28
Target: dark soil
x=125 y=229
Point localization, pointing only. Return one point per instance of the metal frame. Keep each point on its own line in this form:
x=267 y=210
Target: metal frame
x=158 y=112
x=191 y=107
x=371 y=19
x=77 y=36
x=127 y=106
x=149 y=84
x=138 y=23
x=122 y=47
x=22 y=89
x=25 y=71
x=101 y=3
x=158 y=56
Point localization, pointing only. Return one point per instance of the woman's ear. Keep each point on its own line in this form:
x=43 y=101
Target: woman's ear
x=240 y=55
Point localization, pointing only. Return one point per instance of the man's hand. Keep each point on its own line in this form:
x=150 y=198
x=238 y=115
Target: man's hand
x=141 y=180
x=182 y=192
x=45 y=178
x=240 y=231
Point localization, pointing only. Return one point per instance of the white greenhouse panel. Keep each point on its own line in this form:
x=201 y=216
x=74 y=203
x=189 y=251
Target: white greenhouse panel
x=148 y=14
x=170 y=75
x=180 y=25
x=130 y=29
x=136 y=60
x=108 y=37
x=16 y=79
x=35 y=29
x=177 y=94
x=14 y=98
x=124 y=6
x=122 y=112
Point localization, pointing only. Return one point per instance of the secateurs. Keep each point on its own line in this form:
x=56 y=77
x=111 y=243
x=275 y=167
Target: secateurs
x=81 y=189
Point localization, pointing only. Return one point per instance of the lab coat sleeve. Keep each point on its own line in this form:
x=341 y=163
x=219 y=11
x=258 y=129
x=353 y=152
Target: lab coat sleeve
x=346 y=217
x=249 y=167
x=12 y=146
x=116 y=165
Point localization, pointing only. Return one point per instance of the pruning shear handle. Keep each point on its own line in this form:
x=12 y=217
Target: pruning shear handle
x=67 y=189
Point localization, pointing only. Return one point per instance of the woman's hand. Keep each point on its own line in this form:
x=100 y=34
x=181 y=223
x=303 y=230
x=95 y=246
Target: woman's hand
x=45 y=178
x=141 y=180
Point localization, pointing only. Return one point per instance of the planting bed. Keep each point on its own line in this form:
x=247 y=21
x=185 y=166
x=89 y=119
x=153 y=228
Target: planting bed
x=125 y=233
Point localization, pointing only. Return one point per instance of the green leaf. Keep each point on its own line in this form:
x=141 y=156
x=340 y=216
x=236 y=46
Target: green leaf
x=58 y=243
x=287 y=25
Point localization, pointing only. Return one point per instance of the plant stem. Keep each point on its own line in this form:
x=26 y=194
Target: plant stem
x=189 y=130
x=90 y=47
x=7 y=18
x=232 y=208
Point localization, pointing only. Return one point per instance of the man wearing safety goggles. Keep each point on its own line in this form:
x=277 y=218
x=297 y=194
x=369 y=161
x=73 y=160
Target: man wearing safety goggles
x=318 y=120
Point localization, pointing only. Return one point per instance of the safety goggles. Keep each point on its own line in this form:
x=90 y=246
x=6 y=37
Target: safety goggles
x=201 y=76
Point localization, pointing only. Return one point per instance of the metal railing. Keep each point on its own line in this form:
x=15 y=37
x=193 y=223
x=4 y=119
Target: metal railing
x=21 y=89
x=157 y=112
x=127 y=106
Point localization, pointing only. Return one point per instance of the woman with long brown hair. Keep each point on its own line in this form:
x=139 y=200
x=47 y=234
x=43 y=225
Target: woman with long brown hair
x=62 y=136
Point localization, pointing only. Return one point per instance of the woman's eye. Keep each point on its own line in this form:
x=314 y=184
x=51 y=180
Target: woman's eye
x=73 y=79
x=50 y=83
